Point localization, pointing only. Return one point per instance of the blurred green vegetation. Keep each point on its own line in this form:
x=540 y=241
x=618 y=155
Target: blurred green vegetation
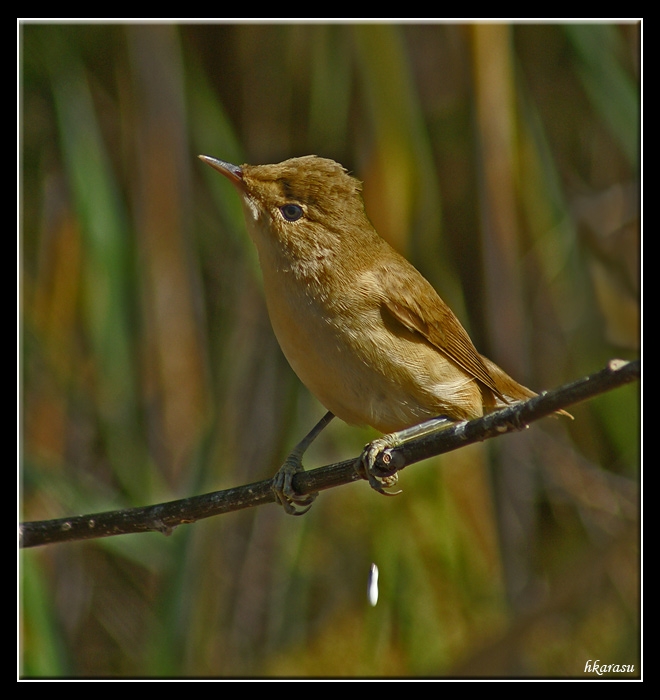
x=503 y=160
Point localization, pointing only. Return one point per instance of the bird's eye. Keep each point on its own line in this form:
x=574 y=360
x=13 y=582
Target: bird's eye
x=291 y=212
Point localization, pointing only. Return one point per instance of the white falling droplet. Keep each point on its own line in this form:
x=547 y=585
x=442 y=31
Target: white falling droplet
x=372 y=591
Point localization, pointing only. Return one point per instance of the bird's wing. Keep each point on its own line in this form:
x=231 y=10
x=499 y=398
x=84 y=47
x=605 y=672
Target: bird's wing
x=414 y=303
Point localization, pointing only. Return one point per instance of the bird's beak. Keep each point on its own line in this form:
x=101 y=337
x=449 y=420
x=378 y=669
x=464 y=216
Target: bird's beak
x=232 y=172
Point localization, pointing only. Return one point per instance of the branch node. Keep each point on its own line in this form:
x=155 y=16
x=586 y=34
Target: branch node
x=616 y=364
x=164 y=529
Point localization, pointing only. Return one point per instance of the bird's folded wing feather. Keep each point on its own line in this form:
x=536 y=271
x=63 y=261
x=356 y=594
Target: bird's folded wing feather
x=416 y=305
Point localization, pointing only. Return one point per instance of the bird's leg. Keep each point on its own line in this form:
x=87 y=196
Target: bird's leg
x=379 y=466
x=292 y=502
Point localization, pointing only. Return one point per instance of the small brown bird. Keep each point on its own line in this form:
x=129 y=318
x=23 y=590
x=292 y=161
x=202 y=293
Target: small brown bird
x=360 y=326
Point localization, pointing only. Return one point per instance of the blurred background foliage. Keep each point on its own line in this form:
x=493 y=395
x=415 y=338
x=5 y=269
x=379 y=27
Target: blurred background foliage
x=504 y=161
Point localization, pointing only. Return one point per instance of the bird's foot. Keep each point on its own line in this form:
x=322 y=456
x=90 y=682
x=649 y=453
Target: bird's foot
x=282 y=485
x=380 y=462
x=379 y=465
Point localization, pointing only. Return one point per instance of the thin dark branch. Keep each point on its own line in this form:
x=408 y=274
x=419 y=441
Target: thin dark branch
x=165 y=517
